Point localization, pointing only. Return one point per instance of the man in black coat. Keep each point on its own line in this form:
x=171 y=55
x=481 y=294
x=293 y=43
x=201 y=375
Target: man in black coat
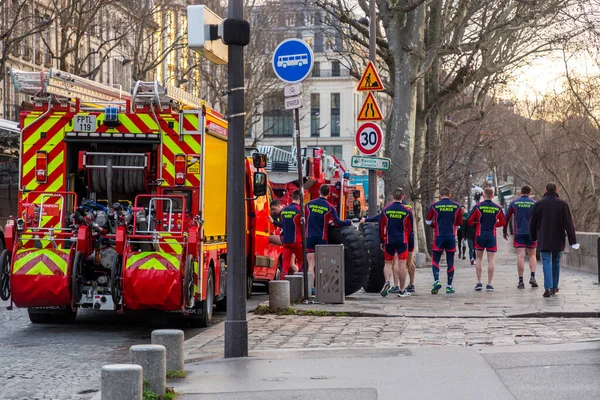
x=550 y=222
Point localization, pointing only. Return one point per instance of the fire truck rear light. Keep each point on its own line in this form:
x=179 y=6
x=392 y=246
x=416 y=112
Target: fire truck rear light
x=117 y=135
x=180 y=169
x=94 y=134
x=105 y=135
x=71 y=134
x=82 y=134
x=41 y=166
x=153 y=136
x=129 y=135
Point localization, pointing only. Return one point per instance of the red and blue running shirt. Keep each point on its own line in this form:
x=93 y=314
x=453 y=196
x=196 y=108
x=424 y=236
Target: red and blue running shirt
x=521 y=209
x=319 y=214
x=487 y=216
x=444 y=217
x=292 y=225
x=395 y=223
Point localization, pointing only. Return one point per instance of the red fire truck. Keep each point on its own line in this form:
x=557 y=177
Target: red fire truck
x=123 y=202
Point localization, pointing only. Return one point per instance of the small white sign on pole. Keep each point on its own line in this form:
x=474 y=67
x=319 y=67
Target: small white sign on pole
x=293 y=103
x=292 y=90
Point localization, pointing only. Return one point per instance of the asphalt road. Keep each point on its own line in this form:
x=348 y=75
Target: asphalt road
x=63 y=361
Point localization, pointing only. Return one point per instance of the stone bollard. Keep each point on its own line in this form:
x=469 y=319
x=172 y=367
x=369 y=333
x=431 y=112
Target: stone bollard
x=153 y=359
x=121 y=382
x=296 y=287
x=310 y=282
x=420 y=260
x=173 y=340
x=279 y=295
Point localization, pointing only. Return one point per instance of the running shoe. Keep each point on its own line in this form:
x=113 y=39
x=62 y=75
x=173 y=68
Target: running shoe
x=450 y=290
x=395 y=289
x=532 y=282
x=386 y=288
x=554 y=290
x=489 y=288
x=464 y=257
x=521 y=285
x=410 y=288
x=548 y=293
x=479 y=287
x=472 y=262
x=403 y=293
x=436 y=287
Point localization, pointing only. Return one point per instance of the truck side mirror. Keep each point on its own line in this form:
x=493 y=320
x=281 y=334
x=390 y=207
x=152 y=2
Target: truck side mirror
x=259 y=160
x=260 y=184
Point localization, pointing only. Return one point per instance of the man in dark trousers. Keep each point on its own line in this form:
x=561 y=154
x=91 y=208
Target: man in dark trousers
x=460 y=234
x=521 y=209
x=550 y=221
x=444 y=217
x=319 y=214
x=486 y=217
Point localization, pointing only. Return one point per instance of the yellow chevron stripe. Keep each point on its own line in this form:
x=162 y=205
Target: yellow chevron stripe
x=153 y=263
x=60 y=263
x=149 y=121
x=192 y=119
x=127 y=123
x=39 y=269
x=138 y=256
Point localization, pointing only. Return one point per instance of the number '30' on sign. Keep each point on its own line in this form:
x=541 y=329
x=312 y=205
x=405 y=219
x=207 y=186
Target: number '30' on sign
x=369 y=138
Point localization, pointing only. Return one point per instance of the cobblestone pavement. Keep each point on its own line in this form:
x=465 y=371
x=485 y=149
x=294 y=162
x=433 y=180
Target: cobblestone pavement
x=271 y=332
x=63 y=362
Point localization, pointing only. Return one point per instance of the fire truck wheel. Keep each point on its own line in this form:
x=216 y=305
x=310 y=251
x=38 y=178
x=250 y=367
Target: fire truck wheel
x=375 y=280
x=356 y=256
x=5 y=275
x=249 y=285
x=52 y=316
x=208 y=303
x=116 y=281
x=188 y=285
x=77 y=278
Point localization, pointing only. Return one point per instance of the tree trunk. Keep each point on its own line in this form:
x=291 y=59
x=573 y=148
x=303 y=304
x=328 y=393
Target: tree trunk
x=405 y=33
x=419 y=156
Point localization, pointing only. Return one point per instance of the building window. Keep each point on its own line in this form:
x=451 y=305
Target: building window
x=309 y=40
x=315 y=113
x=309 y=19
x=290 y=20
x=318 y=42
x=316 y=71
x=335 y=114
x=335 y=68
x=276 y=121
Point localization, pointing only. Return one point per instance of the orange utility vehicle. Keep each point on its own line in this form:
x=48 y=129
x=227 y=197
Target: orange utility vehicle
x=123 y=202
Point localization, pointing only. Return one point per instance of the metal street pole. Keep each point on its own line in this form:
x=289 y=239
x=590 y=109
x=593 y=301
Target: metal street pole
x=302 y=219
x=373 y=58
x=236 y=326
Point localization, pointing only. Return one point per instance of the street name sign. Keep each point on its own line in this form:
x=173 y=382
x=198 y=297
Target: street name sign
x=380 y=164
x=293 y=103
x=293 y=60
x=370 y=81
x=369 y=138
x=370 y=110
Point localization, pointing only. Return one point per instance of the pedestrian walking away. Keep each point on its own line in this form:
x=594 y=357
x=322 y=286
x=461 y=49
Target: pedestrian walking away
x=292 y=236
x=550 y=222
x=319 y=215
x=469 y=232
x=444 y=217
x=460 y=235
x=396 y=223
x=486 y=217
x=521 y=210
x=410 y=261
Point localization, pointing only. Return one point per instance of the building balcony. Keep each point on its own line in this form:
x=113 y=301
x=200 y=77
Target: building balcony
x=330 y=73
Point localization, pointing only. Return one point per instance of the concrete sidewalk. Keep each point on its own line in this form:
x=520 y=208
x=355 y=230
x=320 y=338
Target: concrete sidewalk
x=579 y=294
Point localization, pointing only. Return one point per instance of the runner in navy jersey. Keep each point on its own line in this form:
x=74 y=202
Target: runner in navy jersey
x=486 y=216
x=521 y=210
x=444 y=217
x=395 y=226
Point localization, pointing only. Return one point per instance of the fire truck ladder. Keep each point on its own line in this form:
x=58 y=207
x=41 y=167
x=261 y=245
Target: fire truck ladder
x=278 y=159
x=163 y=96
x=63 y=85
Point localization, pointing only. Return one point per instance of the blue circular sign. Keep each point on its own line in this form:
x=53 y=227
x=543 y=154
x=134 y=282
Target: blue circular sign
x=293 y=60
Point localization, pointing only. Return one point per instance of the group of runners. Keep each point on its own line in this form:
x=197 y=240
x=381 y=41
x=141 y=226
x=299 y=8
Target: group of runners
x=396 y=225
x=445 y=217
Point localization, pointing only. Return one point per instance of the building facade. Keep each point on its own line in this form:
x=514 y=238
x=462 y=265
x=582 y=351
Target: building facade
x=330 y=100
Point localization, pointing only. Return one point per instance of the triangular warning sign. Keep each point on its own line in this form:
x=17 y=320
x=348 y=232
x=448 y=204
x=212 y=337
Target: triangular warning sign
x=370 y=81
x=370 y=111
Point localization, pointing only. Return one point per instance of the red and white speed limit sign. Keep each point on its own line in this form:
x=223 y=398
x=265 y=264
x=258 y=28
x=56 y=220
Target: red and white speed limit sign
x=369 y=138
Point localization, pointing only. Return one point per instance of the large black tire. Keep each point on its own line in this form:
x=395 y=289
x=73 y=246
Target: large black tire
x=375 y=280
x=51 y=316
x=207 y=305
x=356 y=256
x=77 y=278
x=5 y=275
